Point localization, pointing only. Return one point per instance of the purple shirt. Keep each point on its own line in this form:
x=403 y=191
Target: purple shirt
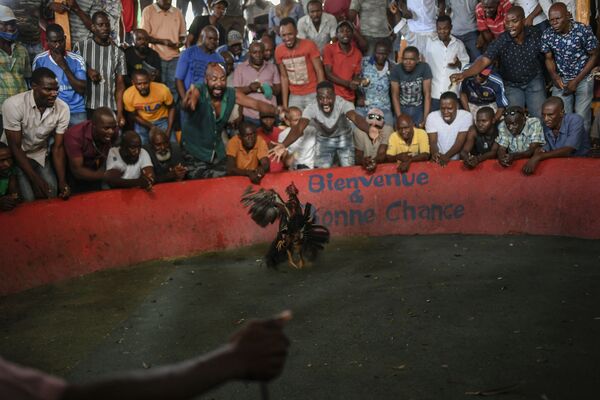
x=80 y=143
x=244 y=75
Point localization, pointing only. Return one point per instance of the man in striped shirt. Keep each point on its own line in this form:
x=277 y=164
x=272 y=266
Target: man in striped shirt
x=490 y=19
x=106 y=68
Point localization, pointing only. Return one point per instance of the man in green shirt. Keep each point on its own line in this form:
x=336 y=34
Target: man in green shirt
x=210 y=105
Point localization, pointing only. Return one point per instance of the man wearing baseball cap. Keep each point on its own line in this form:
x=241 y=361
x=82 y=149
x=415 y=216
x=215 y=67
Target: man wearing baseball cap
x=370 y=147
x=234 y=46
x=485 y=89
x=15 y=65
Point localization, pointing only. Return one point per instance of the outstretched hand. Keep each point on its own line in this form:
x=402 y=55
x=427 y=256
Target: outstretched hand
x=277 y=152
x=191 y=98
x=261 y=347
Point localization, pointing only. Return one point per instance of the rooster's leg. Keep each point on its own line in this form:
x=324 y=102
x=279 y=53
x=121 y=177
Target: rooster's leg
x=291 y=260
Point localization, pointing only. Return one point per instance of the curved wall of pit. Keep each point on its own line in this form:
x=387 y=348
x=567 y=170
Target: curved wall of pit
x=46 y=241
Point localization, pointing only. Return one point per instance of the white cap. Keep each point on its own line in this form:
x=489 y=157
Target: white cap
x=6 y=14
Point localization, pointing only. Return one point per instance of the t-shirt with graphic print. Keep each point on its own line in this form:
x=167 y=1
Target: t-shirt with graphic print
x=299 y=66
x=411 y=83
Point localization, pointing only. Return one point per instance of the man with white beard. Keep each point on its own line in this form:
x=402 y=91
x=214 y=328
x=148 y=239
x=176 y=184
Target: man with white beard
x=129 y=165
x=166 y=157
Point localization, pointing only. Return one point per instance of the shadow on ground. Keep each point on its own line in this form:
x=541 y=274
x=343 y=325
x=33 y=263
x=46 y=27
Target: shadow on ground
x=375 y=318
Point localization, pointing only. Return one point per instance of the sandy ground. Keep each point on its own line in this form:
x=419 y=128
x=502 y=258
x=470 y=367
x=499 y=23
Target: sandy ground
x=375 y=318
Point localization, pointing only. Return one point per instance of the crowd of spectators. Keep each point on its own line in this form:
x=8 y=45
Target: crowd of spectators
x=92 y=98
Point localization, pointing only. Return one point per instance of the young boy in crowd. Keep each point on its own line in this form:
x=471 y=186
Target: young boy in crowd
x=480 y=144
x=9 y=188
x=301 y=154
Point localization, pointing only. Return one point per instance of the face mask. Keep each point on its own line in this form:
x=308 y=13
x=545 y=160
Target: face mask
x=10 y=37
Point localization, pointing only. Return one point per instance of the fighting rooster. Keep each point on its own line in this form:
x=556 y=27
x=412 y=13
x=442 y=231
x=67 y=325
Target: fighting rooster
x=298 y=237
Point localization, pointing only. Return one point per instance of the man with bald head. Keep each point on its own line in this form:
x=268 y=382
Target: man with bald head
x=141 y=56
x=209 y=105
x=407 y=144
x=571 y=50
x=129 y=165
x=193 y=61
x=564 y=133
x=87 y=145
x=516 y=51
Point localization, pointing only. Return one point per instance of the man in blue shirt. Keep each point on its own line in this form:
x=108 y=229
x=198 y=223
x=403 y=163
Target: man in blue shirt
x=483 y=90
x=571 y=50
x=193 y=61
x=564 y=133
x=69 y=69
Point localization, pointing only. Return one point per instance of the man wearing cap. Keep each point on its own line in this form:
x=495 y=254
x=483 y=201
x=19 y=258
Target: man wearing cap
x=370 y=147
x=27 y=13
x=217 y=10
x=317 y=26
x=257 y=79
x=300 y=66
x=166 y=32
x=407 y=144
x=485 y=89
x=15 y=65
x=193 y=61
x=234 y=46
x=342 y=61
x=331 y=118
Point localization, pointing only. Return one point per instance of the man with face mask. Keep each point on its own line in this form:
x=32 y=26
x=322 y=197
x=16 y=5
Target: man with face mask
x=15 y=66
x=141 y=56
x=87 y=145
x=166 y=157
x=129 y=165
x=30 y=120
x=70 y=71
x=210 y=105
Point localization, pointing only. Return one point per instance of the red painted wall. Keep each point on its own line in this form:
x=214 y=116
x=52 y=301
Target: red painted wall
x=47 y=241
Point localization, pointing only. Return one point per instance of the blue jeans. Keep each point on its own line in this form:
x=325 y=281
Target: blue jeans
x=144 y=132
x=77 y=118
x=167 y=75
x=387 y=115
x=470 y=41
x=328 y=147
x=415 y=112
x=532 y=95
x=580 y=101
x=46 y=173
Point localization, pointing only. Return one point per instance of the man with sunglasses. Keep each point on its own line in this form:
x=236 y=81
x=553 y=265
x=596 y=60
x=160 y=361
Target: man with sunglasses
x=564 y=133
x=518 y=136
x=370 y=147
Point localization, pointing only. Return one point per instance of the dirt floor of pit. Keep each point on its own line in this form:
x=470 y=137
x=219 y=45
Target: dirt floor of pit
x=376 y=318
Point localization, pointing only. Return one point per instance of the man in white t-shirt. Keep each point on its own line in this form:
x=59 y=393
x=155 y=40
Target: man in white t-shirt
x=331 y=118
x=129 y=165
x=447 y=129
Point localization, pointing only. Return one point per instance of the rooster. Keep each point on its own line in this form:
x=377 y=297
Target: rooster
x=298 y=237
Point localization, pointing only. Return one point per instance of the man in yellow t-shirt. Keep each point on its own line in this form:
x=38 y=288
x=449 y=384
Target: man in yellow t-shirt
x=149 y=104
x=247 y=154
x=408 y=144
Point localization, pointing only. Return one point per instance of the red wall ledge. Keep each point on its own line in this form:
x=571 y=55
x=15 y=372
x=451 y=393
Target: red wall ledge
x=46 y=241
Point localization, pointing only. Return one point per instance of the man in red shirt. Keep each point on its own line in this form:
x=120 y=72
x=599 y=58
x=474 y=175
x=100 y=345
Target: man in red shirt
x=490 y=19
x=343 y=62
x=300 y=66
